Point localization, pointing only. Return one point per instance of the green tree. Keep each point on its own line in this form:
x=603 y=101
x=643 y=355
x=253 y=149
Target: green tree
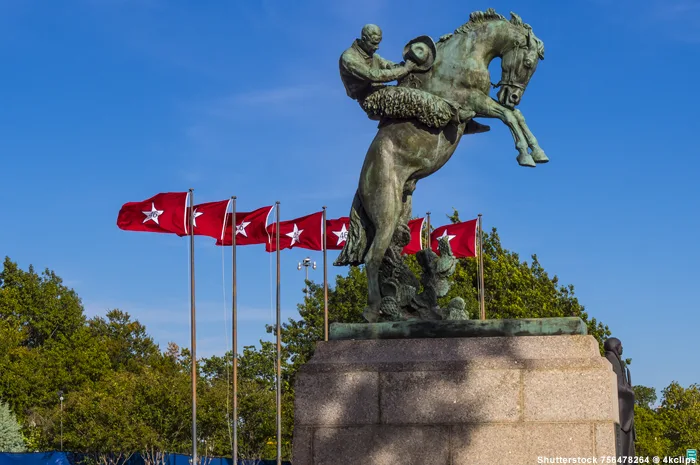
x=39 y=304
x=106 y=418
x=128 y=345
x=11 y=439
x=258 y=402
x=671 y=428
x=214 y=411
x=164 y=394
x=680 y=411
x=651 y=428
x=644 y=396
x=128 y=412
x=46 y=345
x=110 y=363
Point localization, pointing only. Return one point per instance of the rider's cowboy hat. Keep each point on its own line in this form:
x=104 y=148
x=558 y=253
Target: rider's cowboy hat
x=421 y=51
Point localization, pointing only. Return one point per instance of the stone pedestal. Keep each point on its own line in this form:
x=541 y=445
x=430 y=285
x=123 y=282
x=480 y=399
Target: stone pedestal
x=454 y=401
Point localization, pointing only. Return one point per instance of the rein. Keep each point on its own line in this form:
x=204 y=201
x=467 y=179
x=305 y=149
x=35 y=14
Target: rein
x=508 y=83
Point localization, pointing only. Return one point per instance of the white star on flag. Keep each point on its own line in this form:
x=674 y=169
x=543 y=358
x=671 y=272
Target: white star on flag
x=153 y=214
x=342 y=235
x=240 y=229
x=295 y=234
x=194 y=217
x=448 y=236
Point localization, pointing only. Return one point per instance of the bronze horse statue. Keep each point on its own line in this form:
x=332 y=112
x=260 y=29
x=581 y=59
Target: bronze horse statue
x=404 y=151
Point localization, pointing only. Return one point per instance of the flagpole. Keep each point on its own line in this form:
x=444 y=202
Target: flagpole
x=482 y=304
x=428 y=229
x=234 y=299
x=325 y=279
x=193 y=330
x=279 y=343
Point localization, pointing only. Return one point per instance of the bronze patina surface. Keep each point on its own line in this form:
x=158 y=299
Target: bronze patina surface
x=441 y=88
x=462 y=328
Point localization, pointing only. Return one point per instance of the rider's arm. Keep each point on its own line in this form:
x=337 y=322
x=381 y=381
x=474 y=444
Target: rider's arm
x=361 y=71
x=386 y=64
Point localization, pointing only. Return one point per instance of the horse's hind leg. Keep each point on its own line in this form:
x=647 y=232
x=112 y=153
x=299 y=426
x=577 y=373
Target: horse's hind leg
x=383 y=207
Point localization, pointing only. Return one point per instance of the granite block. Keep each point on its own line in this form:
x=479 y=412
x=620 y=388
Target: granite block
x=455 y=365
x=302 y=445
x=382 y=445
x=569 y=395
x=455 y=349
x=336 y=399
x=519 y=443
x=605 y=439
x=433 y=397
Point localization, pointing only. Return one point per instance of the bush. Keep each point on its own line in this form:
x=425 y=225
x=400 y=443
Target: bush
x=11 y=439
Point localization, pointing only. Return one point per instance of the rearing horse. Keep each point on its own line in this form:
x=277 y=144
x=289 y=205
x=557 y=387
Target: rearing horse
x=404 y=151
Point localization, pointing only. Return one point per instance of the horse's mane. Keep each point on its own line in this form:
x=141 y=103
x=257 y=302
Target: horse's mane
x=480 y=17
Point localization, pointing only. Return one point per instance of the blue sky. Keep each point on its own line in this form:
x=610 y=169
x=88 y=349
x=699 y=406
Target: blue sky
x=109 y=101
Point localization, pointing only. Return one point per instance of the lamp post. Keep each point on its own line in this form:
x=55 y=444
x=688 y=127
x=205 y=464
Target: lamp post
x=306 y=263
x=60 y=398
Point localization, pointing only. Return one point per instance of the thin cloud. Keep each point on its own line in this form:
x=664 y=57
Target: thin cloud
x=676 y=20
x=278 y=96
x=680 y=18
x=143 y=4
x=683 y=7
x=213 y=127
x=275 y=96
x=191 y=176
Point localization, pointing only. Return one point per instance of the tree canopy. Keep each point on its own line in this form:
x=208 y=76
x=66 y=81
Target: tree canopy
x=673 y=426
x=123 y=394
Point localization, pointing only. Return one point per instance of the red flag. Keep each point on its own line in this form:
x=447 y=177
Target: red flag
x=162 y=213
x=305 y=232
x=462 y=238
x=337 y=233
x=416 y=244
x=251 y=227
x=208 y=219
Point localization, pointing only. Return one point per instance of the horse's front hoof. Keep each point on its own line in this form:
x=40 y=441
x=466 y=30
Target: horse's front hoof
x=539 y=156
x=526 y=160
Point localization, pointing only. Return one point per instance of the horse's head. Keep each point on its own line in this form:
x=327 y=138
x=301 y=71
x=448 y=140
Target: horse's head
x=518 y=62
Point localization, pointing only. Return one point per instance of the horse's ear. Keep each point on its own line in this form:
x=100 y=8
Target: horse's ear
x=515 y=19
x=529 y=37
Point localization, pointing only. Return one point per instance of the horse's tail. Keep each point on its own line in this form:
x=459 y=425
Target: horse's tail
x=360 y=236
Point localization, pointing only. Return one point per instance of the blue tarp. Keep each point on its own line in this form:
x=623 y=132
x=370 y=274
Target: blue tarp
x=34 y=458
x=64 y=458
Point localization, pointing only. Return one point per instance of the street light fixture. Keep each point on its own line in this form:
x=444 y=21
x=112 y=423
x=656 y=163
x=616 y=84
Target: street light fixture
x=60 y=397
x=306 y=263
